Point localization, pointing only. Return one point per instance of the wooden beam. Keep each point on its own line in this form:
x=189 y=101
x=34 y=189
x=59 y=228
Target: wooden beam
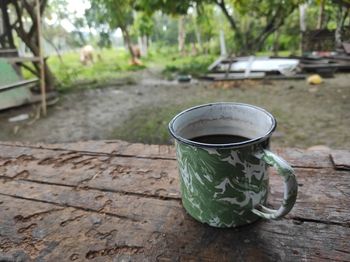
x=18 y=84
x=41 y=57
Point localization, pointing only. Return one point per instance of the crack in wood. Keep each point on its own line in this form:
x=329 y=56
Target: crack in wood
x=129 y=250
x=343 y=251
x=19 y=159
x=300 y=220
x=121 y=192
x=67 y=160
x=66 y=222
x=116 y=154
x=309 y=167
x=82 y=163
x=27 y=228
x=91 y=153
x=73 y=206
x=32 y=246
x=20 y=218
x=93 y=232
x=19 y=176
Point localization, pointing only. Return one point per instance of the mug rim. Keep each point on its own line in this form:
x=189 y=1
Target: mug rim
x=219 y=146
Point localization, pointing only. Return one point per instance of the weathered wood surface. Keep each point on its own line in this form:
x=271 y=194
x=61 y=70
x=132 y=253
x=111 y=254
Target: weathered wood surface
x=115 y=201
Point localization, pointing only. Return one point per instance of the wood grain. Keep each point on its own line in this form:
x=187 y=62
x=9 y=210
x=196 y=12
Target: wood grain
x=114 y=201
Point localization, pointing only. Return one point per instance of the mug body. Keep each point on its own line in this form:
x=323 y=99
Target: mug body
x=222 y=183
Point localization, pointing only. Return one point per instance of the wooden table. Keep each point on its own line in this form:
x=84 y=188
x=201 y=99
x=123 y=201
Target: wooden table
x=115 y=201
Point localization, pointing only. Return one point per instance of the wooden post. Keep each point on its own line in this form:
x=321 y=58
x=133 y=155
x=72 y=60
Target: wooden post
x=41 y=59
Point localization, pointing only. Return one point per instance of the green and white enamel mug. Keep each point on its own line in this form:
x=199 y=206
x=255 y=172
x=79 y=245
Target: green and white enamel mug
x=226 y=185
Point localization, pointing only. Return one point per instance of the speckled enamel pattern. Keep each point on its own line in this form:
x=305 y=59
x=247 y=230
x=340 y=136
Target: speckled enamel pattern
x=226 y=185
x=222 y=187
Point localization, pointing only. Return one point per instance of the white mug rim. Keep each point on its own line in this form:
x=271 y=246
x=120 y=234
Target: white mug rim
x=252 y=141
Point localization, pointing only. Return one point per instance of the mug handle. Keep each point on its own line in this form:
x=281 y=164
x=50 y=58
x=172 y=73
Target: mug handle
x=290 y=186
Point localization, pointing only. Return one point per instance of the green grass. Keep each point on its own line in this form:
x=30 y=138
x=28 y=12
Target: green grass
x=150 y=125
x=283 y=53
x=114 y=64
x=193 y=65
x=71 y=74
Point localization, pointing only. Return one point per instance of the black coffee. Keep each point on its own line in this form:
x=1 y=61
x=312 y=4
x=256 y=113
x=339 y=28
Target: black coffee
x=219 y=139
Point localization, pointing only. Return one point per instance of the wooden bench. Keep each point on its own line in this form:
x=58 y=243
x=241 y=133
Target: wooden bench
x=116 y=201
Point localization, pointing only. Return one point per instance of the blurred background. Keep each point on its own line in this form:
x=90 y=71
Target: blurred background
x=121 y=69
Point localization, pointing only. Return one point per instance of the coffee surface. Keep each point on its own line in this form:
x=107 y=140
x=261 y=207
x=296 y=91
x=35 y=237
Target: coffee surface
x=219 y=139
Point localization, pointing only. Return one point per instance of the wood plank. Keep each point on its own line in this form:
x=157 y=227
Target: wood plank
x=13 y=97
x=111 y=147
x=18 y=84
x=152 y=177
x=14 y=60
x=113 y=202
x=295 y=156
x=346 y=47
x=43 y=231
x=323 y=195
x=303 y=158
x=156 y=178
x=341 y=159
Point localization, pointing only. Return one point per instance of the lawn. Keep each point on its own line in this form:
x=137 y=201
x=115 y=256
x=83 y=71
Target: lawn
x=112 y=64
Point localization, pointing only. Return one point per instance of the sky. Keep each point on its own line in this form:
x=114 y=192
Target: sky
x=78 y=7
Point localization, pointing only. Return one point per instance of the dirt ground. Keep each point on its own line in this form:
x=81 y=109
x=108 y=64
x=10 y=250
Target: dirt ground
x=307 y=115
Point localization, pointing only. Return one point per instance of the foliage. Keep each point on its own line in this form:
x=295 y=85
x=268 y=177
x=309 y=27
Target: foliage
x=206 y=20
x=143 y=24
x=115 y=13
x=167 y=6
x=193 y=65
x=71 y=74
x=104 y=41
x=164 y=32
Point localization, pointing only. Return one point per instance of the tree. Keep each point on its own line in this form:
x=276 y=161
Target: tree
x=251 y=21
x=115 y=13
x=175 y=8
x=142 y=28
x=6 y=38
x=164 y=30
x=25 y=16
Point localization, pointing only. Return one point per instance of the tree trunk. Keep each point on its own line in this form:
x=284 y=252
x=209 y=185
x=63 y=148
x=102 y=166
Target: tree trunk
x=181 y=34
x=30 y=38
x=320 y=15
x=302 y=24
x=140 y=45
x=276 y=21
x=251 y=45
x=302 y=17
x=341 y=17
x=276 y=43
x=223 y=51
x=6 y=37
x=198 y=34
x=32 y=44
x=240 y=48
x=144 y=41
x=127 y=41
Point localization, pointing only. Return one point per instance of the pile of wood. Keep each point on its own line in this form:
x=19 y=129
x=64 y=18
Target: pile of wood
x=327 y=63
x=324 y=63
x=240 y=68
